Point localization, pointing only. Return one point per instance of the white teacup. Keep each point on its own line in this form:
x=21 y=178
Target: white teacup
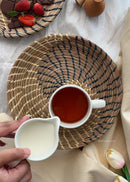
x=92 y=104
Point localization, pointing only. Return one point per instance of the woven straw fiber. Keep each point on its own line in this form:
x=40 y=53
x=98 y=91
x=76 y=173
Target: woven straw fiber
x=56 y=60
x=51 y=11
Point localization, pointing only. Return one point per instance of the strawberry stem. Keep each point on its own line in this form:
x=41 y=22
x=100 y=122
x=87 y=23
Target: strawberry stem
x=22 y=13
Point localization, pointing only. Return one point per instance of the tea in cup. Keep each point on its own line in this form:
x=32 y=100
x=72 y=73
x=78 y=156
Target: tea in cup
x=73 y=105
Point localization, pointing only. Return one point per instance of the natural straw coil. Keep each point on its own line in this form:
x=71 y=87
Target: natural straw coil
x=56 y=60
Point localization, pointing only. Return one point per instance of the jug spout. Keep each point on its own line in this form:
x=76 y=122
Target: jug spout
x=56 y=121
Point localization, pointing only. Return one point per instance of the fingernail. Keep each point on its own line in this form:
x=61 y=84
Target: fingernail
x=27 y=152
x=26 y=117
x=29 y=115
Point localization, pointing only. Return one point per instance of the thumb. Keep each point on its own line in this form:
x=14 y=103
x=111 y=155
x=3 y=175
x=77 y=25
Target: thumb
x=8 y=127
x=14 y=154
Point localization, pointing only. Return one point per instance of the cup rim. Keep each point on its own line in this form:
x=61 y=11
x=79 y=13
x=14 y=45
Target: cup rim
x=34 y=120
x=84 y=119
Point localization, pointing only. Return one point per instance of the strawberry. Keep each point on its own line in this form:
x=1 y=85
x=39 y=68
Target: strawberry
x=22 y=5
x=38 y=9
x=28 y=20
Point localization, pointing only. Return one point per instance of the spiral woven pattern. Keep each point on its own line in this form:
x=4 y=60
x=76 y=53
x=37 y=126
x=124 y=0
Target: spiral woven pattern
x=56 y=60
x=51 y=11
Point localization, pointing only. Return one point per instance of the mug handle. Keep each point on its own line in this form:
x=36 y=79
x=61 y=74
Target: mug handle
x=98 y=103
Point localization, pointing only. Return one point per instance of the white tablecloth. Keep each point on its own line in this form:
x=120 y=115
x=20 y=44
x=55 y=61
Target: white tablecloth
x=105 y=31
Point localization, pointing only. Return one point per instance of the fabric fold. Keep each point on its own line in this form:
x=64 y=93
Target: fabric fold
x=125 y=109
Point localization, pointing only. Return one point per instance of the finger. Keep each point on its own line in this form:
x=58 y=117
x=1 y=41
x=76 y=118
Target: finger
x=27 y=177
x=8 y=127
x=10 y=135
x=2 y=143
x=21 y=173
x=9 y=155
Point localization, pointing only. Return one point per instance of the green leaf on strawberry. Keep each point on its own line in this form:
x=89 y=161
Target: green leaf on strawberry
x=13 y=13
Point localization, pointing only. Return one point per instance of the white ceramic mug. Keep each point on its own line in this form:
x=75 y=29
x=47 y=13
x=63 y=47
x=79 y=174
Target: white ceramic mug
x=93 y=104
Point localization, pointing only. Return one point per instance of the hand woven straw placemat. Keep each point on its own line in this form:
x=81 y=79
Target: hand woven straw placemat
x=56 y=60
x=51 y=11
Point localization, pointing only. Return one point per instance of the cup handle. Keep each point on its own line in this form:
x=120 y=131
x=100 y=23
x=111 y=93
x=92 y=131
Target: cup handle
x=98 y=103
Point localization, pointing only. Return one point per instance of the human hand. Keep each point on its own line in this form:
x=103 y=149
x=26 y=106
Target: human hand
x=6 y=128
x=22 y=172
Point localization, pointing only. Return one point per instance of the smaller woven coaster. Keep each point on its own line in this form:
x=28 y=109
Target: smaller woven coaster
x=51 y=11
x=57 y=60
